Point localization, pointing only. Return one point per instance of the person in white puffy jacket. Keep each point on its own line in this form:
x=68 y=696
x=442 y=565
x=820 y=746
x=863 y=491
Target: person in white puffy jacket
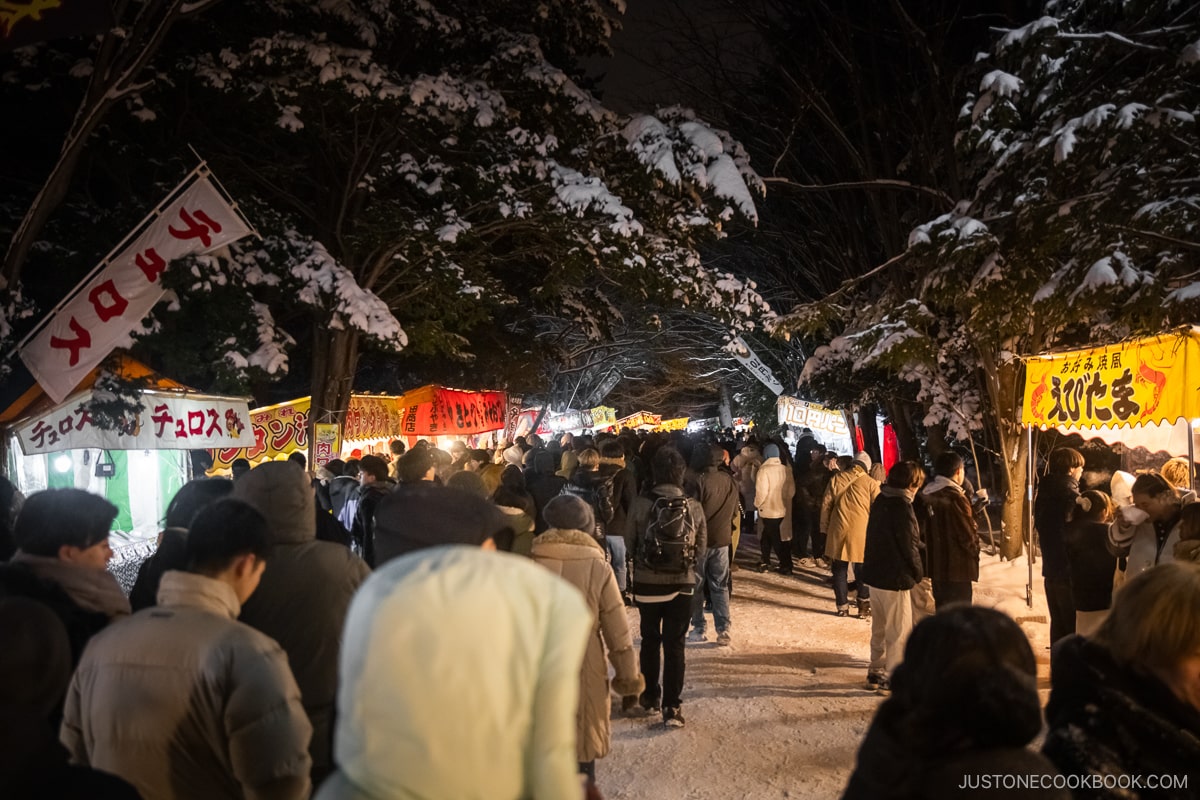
x=1146 y=532
x=459 y=665
x=773 y=492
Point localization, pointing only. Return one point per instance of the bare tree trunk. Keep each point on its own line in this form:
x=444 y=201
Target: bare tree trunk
x=868 y=421
x=900 y=414
x=725 y=406
x=335 y=359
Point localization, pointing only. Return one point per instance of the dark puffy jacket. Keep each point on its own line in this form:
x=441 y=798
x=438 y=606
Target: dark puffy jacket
x=624 y=493
x=951 y=537
x=1108 y=720
x=18 y=580
x=718 y=494
x=543 y=485
x=893 y=555
x=1092 y=565
x=305 y=591
x=341 y=489
x=1051 y=510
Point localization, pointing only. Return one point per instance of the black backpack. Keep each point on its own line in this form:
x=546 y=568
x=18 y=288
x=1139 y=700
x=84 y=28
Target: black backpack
x=599 y=495
x=668 y=543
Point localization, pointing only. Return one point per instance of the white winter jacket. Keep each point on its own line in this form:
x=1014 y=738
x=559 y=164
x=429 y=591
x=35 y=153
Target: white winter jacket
x=460 y=679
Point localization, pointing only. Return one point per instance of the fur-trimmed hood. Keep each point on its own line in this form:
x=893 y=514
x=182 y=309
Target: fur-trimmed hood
x=561 y=536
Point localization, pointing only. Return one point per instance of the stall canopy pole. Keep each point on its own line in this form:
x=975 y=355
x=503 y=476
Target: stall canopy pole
x=1191 y=437
x=1031 y=465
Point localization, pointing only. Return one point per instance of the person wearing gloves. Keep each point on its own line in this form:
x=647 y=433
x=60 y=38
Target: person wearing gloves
x=460 y=666
x=951 y=537
x=569 y=551
x=1145 y=533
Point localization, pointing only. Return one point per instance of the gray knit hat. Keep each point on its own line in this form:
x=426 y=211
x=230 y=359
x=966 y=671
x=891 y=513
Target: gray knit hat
x=569 y=513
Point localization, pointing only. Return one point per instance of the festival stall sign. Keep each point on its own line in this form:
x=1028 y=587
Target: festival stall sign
x=640 y=419
x=172 y=417
x=110 y=303
x=139 y=464
x=603 y=417
x=803 y=414
x=438 y=411
x=677 y=424
x=282 y=429
x=569 y=421
x=1144 y=392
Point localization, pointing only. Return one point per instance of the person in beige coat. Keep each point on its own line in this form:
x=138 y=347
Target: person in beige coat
x=181 y=699
x=845 y=510
x=774 y=488
x=578 y=558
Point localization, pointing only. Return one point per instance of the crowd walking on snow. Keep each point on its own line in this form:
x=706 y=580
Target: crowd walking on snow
x=467 y=623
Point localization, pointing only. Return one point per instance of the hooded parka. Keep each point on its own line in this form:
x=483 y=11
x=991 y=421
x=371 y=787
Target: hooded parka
x=578 y=558
x=845 y=510
x=304 y=594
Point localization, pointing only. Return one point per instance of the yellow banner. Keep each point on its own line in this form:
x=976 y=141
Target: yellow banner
x=639 y=419
x=603 y=416
x=1138 y=382
x=677 y=424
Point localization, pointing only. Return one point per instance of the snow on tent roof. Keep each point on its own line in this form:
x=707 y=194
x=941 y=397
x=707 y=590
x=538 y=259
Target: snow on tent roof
x=36 y=401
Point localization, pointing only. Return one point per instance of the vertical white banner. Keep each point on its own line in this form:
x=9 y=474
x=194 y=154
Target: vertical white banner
x=113 y=302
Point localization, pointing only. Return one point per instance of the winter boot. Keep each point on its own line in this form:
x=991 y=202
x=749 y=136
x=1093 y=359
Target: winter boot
x=864 y=609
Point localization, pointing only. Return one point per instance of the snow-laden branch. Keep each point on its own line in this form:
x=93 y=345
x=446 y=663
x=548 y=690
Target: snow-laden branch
x=885 y=184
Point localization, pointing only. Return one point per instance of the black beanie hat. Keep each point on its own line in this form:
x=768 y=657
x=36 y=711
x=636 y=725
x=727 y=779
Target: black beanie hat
x=420 y=515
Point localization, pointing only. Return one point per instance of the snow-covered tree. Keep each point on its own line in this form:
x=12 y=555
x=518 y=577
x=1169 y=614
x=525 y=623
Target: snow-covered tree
x=1079 y=224
x=430 y=168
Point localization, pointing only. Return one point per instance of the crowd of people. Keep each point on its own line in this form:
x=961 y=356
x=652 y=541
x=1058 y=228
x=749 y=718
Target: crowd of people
x=456 y=623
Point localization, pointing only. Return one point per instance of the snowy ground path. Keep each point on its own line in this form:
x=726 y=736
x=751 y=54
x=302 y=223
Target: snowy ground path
x=781 y=713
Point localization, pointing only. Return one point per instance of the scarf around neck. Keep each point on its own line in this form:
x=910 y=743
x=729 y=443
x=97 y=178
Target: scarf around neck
x=90 y=589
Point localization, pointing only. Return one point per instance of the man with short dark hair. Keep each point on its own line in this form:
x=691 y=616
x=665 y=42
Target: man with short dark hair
x=416 y=465
x=374 y=483
x=62 y=559
x=182 y=700
x=1146 y=533
x=718 y=494
x=951 y=535
x=670 y=534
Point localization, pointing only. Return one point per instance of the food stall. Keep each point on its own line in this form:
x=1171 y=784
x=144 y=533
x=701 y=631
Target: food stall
x=1141 y=393
x=140 y=463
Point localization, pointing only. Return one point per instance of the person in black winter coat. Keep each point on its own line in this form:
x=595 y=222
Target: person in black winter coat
x=1092 y=565
x=171 y=552
x=1052 y=511
x=1126 y=701
x=543 y=485
x=719 y=495
x=892 y=565
x=35 y=669
x=964 y=705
